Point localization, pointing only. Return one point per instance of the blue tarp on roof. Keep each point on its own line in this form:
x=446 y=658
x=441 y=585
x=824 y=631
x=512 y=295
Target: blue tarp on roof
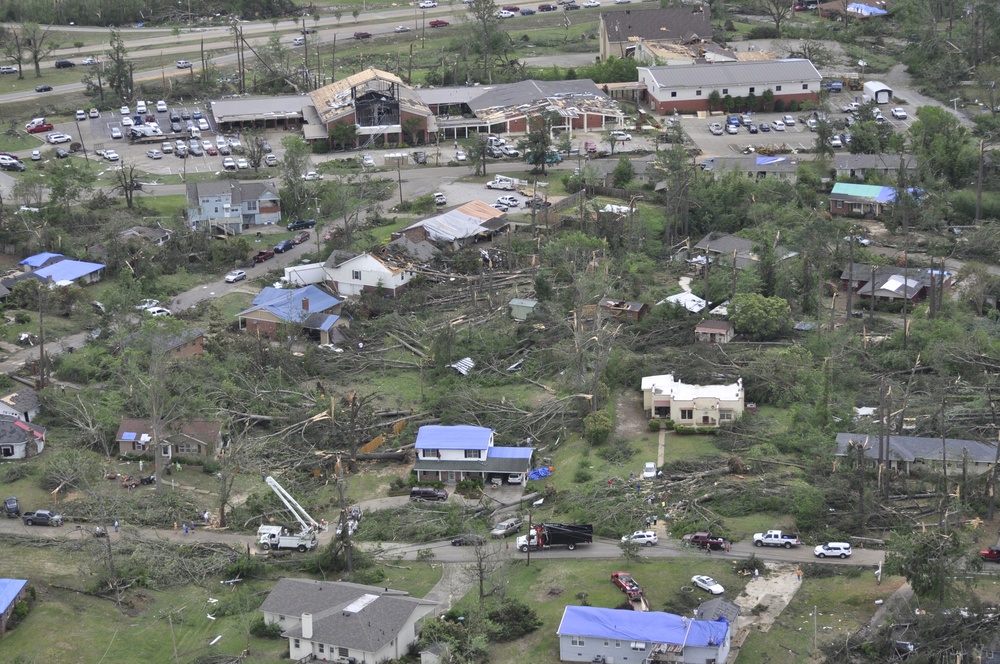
x=539 y=473
x=510 y=452
x=9 y=589
x=865 y=10
x=458 y=437
x=129 y=435
x=872 y=191
x=764 y=161
x=651 y=627
x=39 y=259
x=286 y=304
x=68 y=270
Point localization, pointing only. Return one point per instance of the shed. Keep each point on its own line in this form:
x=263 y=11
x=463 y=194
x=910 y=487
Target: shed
x=634 y=311
x=521 y=308
x=714 y=331
x=880 y=92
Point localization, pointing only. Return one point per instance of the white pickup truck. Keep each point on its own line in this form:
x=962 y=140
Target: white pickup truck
x=776 y=538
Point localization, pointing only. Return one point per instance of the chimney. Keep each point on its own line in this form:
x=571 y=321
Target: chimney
x=305 y=304
x=307 y=625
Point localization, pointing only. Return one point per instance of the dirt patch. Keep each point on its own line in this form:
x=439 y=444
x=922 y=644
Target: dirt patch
x=762 y=601
x=630 y=418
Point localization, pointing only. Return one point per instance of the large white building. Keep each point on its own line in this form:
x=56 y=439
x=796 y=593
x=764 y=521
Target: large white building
x=692 y=405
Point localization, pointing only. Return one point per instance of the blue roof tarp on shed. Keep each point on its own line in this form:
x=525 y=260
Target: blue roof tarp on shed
x=458 y=437
x=39 y=259
x=651 y=627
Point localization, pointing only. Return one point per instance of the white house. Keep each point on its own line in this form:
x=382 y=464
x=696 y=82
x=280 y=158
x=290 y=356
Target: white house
x=455 y=453
x=344 y=622
x=22 y=404
x=20 y=440
x=366 y=272
x=618 y=636
x=692 y=405
x=686 y=88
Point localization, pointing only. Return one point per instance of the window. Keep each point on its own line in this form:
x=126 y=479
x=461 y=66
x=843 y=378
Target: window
x=752 y=90
x=805 y=86
x=356 y=275
x=187 y=449
x=296 y=644
x=342 y=652
x=840 y=204
x=251 y=206
x=673 y=93
x=618 y=644
x=6 y=451
x=725 y=414
x=321 y=648
x=777 y=88
x=606 y=643
x=216 y=209
x=725 y=91
x=431 y=454
x=473 y=454
x=576 y=641
x=138 y=446
x=697 y=93
x=687 y=414
x=639 y=646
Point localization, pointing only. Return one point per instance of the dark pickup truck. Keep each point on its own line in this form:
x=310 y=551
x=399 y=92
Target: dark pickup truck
x=262 y=256
x=438 y=23
x=42 y=518
x=705 y=539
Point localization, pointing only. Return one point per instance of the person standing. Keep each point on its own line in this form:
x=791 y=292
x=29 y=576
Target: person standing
x=756 y=573
x=185 y=527
x=798 y=573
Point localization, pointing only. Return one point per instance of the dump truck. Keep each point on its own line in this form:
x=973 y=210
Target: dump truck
x=545 y=535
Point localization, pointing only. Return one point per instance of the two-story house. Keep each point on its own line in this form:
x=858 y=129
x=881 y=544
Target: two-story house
x=354 y=275
x=692 y=405
x=451 y=454
x=231 y=207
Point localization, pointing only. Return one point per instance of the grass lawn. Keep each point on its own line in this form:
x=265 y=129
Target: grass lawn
x=677 y=448
x=167 y=206
x=22 y=142
x=845 y=602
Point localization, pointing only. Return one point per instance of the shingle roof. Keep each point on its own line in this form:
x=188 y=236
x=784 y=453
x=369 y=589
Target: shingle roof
x=713 y=326
x=909 y=448
x=238 y=191
x=676 y=24
x=725 y=244
x=880 y=161
x=13 y=430
x=719 y=607
x=22 y=400
x=724 y=74
x=206 y=432
x=367 y=629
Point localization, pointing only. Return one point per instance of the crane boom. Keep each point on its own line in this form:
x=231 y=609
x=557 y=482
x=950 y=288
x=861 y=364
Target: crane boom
x=308 y=523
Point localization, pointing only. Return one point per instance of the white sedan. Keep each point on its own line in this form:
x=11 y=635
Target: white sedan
x=778 y=125
x=56 y=137
x=312 y=176
x=402 y=28
x=503 y=13
x=235 y=275
x=899 y=113
x=460 y=155
x=154 y=154
x=124 y=110
x=708 y=584
x=127 y=121
x=158 y=311
x=242 y=163
x=621 y=136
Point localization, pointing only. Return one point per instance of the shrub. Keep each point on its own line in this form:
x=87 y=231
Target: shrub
x=654 y=425
x=763 y=32
x=513 y=620
x=13 y=472
x=779 y=105
x=582 y=476
x=597 y=427
x=265 y=630
x=246 y=567
x=22 y=318
x=618 y=452
x=687 y=431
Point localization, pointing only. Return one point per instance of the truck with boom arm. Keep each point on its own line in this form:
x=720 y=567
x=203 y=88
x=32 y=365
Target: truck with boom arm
x=276 y=537
x=545 y=535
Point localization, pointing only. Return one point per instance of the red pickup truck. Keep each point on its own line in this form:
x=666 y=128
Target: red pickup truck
x=438 y=23
x=262 y=256
x=37 y=129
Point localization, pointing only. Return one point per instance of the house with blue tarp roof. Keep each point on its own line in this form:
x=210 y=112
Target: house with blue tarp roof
x=12 y=591
x=451 y=454
x=310 y=309
x=592 y=634
x=57 y=269
x=861 y=199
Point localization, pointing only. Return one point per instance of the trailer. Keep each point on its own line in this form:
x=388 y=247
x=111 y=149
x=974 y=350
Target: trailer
x=632 y=590
x=545 y=535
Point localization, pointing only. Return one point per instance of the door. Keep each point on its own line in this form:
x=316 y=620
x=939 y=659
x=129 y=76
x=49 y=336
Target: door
x=451 y=477
x=165 y=451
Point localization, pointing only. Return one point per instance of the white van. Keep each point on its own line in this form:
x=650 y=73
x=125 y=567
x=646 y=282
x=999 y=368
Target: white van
x=140 y=107
x=37 y=122
x=299 y=41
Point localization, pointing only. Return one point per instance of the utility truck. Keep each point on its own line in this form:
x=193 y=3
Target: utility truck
x=277 y=537
x=545 y=535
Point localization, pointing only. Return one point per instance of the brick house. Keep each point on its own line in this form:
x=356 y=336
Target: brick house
x=200 y=438
x=12 y=592
x=308 y=309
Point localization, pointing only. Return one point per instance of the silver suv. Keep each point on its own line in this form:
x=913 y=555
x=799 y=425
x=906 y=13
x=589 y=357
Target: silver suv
x=508 y=527
x=839 y=549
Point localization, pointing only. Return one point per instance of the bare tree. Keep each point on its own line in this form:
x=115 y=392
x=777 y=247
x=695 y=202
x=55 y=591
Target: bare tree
x=37 y=43
x=777 y=10
x=487 y=559
x=127 y=182
x=13 y=47
x=253 y=148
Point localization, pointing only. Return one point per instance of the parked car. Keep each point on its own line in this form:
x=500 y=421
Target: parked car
x=839 y=549
x=789 y=120
x=440 y=199
x=778 y=125
x=11 y=508
x=64 y=64
x=146 y=304
x=649 y=470
x=402 y=28
x=61 y=154
x=229 y=164
x=505 y=528
x=283 y=246
x=7 y=69
x=898 y=113
x=642 y=537
x=427 y=4
x=592 y=3
x=421 y=493
x=438 y=23
x=94 y=113
x=716 y=129
x=263 y=255
x=57 y=137
x=270 y=160
x=184 y=64
x=547 y=8
x=368 y=161
x=158 y=311
x=154 y=154
x=991 y=554
x=764 y=127
x=235 y=275
x=43 y=88
x=509 y=201
x=301 y=237
x=468 y=540
x=527 y=11
x=300 y=224
x=732 y=129
x=460 y=155
x=707 y=583
x=503 y=13
x=312 y=176
x=835 y=142
x=39 y=128
x=161 y=106
x=704 y=539
x=362 y=35
x=621 y=136
x=752 y=128
x=242 y=164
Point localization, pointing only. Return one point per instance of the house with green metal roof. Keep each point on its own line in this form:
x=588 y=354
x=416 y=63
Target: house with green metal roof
x=860 y=199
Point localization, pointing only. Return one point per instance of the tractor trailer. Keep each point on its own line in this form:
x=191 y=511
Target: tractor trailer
x=545 y=535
